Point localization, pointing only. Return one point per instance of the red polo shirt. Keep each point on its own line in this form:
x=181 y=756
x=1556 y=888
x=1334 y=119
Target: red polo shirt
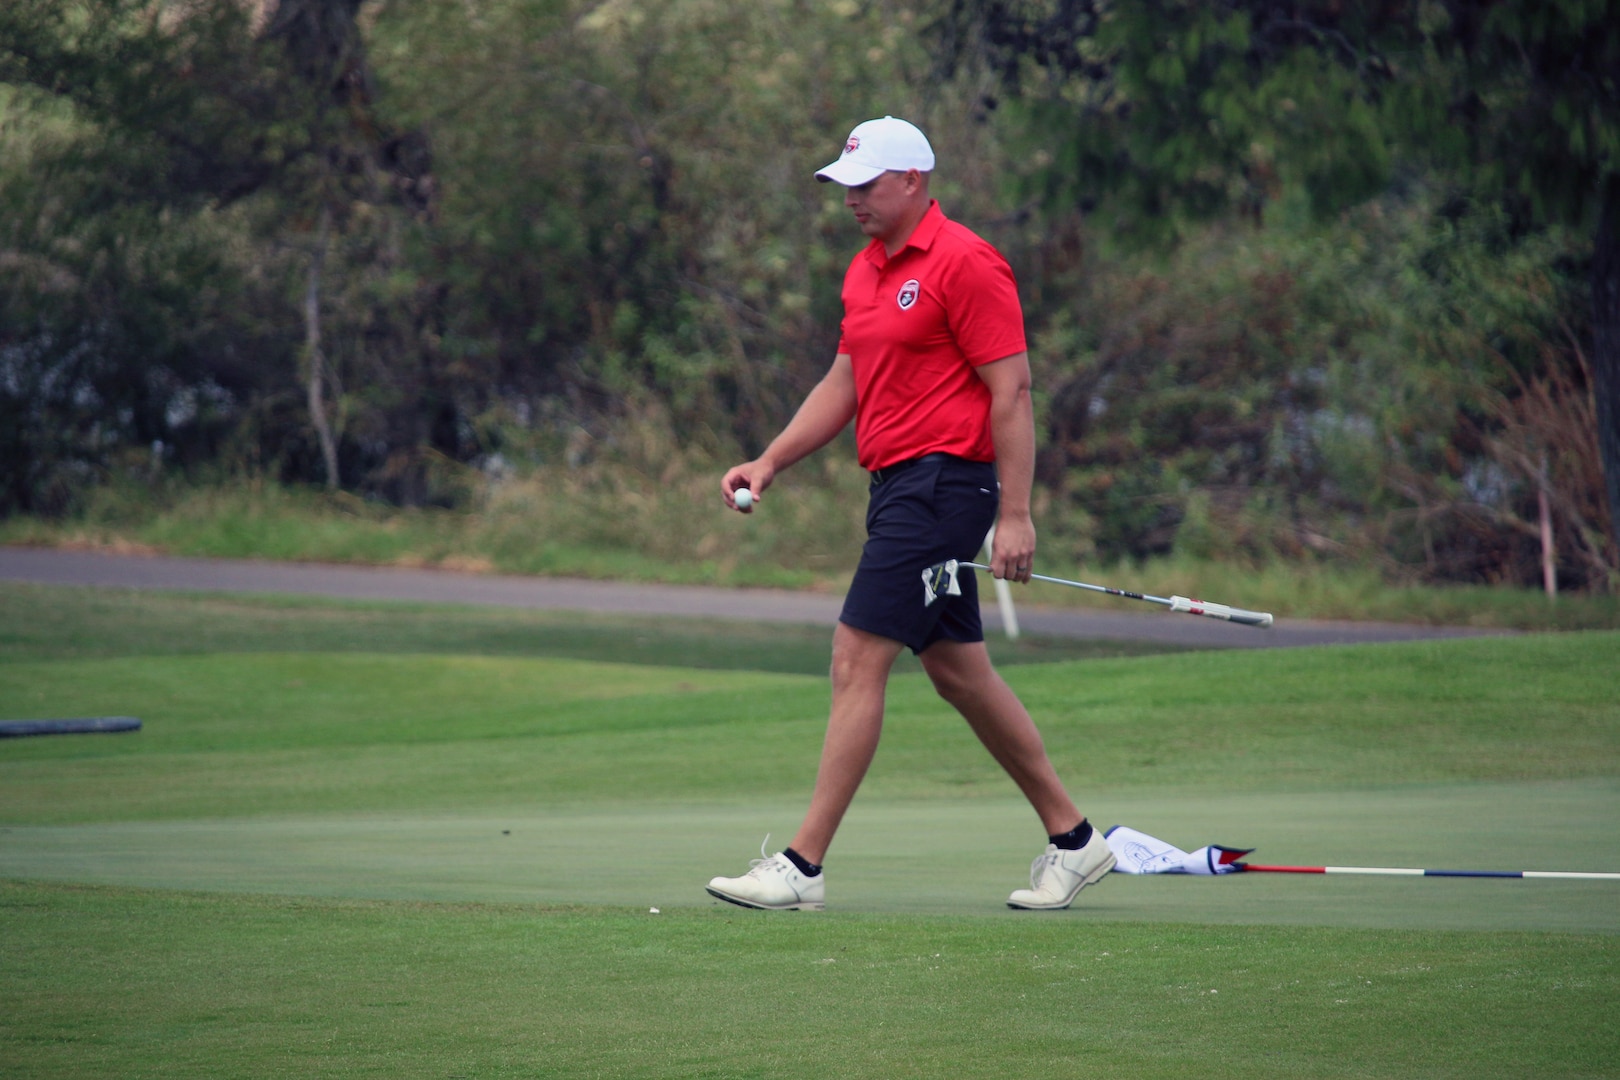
x=915 y=326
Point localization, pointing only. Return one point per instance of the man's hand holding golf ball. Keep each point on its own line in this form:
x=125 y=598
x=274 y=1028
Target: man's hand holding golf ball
x=744 y=484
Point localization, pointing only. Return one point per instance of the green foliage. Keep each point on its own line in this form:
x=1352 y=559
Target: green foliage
x=182 y=107
x=1158 y=116
x=1518 y=97
x=139 y=316
x=628 y=210
x=113 y=272
x=1165 y=113
x=401 y=246
x=1172 y=109
x=1322 y=391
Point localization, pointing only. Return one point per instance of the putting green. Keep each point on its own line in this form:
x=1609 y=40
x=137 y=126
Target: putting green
x=399 y=759
x=934 y=856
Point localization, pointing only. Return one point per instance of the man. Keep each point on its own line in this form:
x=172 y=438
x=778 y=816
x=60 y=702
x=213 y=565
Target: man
x=933 y=369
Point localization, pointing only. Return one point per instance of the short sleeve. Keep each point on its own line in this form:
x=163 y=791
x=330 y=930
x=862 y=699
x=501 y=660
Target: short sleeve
x=985 y=315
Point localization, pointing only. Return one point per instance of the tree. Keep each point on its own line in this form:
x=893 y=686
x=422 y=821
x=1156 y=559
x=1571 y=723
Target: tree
x=1170 y=110
x=1524 y=101
x=109 y=298
x=169 y=117
x=356 y=159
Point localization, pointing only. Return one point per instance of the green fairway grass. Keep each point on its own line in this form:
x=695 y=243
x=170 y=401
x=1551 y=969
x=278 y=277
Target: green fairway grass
x=50 y=623
x=393 y=840
x=569 y=855
x=233 y=734
x=256 y=986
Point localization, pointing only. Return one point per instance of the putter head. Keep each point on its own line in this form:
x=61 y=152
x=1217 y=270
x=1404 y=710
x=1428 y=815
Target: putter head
x=1190 y=606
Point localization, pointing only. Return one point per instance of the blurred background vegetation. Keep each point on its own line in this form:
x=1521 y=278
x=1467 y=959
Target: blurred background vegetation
x=1321 y=284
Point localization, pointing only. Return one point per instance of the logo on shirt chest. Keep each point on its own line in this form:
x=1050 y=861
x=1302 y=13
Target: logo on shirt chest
x=908 y=294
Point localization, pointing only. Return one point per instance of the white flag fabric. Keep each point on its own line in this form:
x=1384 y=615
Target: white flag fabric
x=1138 y=853
x=940 y=580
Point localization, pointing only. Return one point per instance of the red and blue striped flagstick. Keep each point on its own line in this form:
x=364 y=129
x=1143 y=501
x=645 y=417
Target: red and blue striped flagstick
x=1407 y=871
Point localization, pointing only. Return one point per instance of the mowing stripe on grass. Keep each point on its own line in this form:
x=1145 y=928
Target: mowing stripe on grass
x=933 y=856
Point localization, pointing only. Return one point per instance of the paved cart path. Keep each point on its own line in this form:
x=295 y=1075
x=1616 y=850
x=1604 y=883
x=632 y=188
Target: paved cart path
x=59 y=567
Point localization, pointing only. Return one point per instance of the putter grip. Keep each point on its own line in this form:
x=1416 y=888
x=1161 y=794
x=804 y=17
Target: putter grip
x=1220 y=611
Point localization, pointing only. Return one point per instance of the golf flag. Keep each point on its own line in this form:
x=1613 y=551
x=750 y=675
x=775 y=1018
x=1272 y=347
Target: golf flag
x=1138 y=853
x=940 y=580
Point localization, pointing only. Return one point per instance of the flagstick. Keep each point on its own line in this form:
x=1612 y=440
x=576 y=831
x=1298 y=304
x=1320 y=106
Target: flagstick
x=1405 y=871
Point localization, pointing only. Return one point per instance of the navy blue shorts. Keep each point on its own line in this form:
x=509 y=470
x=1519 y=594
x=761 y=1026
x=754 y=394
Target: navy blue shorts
x=918 y=518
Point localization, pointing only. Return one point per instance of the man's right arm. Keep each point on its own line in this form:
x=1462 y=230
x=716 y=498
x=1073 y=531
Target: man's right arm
x=826 y=411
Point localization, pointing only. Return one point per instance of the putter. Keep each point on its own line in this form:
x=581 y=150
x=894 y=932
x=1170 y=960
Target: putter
x=1175 y=603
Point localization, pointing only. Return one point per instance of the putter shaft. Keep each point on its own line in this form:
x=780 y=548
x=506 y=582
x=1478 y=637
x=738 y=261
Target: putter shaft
x=1183 y=604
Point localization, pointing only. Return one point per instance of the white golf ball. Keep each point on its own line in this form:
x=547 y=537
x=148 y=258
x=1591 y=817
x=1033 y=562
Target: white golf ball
x=743 y=498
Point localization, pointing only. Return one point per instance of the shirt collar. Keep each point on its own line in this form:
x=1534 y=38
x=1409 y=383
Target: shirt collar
x=921 y=238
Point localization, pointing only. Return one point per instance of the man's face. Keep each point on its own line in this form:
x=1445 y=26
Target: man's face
x=880 y=205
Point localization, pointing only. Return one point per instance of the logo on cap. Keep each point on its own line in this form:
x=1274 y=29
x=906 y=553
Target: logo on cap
x=908 y=294
x=853 y=145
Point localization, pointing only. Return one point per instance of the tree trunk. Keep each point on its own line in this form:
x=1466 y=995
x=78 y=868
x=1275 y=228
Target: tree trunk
x=315 y=387
x=1606 y=347
x=1549 y=550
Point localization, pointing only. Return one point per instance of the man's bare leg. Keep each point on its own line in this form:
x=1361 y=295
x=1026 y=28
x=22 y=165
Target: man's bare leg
x=964 y=676
x=860 y=675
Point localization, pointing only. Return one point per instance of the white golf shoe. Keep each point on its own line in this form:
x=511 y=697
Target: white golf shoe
x=1057 y=876
x=773 y=884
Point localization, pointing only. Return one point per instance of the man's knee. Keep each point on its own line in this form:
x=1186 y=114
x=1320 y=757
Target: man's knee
x=860 y=658
x=956 y=670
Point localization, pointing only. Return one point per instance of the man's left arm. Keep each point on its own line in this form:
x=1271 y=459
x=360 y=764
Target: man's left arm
x=1012 y=428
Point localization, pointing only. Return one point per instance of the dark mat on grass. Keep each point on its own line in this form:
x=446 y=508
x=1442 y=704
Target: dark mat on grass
x=87 y=725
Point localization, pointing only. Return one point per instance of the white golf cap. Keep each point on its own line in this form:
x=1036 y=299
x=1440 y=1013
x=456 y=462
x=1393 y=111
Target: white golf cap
x=877 y=146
